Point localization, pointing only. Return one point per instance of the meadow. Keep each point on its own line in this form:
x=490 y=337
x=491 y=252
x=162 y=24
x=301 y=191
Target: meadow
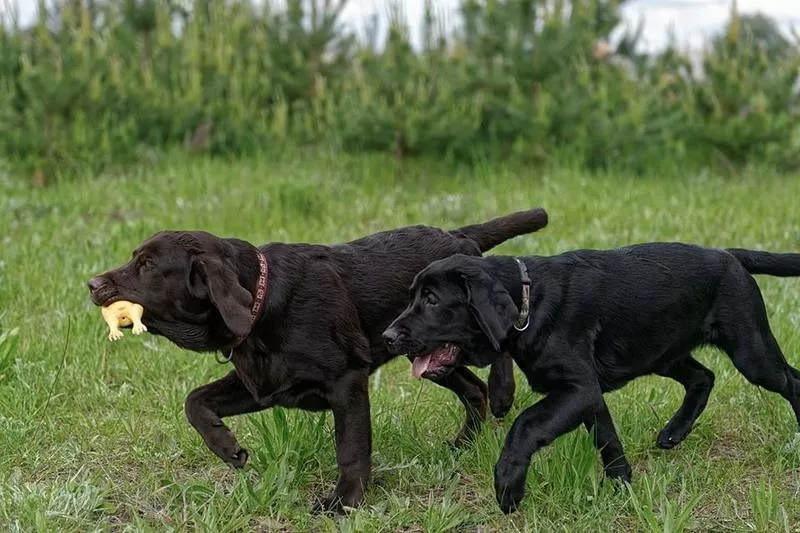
x=94 y=436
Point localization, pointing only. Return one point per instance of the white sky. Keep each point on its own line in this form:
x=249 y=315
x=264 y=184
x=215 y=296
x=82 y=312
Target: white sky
x=693 y=21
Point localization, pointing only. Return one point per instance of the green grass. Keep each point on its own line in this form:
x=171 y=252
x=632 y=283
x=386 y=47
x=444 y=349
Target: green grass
x=93 y=434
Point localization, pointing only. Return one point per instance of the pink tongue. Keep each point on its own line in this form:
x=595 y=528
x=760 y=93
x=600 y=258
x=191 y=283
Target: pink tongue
x=420 y=365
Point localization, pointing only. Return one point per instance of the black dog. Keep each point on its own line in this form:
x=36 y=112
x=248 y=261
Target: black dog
x=587 y=322
x=301 y=324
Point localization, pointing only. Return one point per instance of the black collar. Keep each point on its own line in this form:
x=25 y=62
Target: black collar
x=524 y=318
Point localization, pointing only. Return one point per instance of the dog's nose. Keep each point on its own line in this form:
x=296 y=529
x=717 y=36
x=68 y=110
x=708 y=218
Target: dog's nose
x=391 y=336
x=96 y=283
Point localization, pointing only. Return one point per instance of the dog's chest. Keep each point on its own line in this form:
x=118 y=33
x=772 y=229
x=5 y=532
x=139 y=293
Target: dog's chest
x=270 y=379
x=536 y=373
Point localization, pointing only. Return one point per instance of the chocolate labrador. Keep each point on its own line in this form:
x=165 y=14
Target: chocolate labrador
x=301 y=324
x=587 y=322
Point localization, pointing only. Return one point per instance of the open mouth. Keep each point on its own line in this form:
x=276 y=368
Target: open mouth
x=436 y=362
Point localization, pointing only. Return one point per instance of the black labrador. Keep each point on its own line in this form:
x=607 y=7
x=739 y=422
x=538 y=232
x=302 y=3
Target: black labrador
x=301 y=324
x=586 y=322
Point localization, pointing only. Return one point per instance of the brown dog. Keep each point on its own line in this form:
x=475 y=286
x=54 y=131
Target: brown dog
x=301 y=324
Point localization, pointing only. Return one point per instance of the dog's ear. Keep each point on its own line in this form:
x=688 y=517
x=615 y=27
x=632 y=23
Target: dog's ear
x=490 y=304
x=211 y=279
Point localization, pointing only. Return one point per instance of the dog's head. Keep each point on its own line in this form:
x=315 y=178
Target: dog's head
x=189 y=286
x=459 y=315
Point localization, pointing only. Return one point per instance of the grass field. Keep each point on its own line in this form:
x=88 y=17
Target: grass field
x=93 y=434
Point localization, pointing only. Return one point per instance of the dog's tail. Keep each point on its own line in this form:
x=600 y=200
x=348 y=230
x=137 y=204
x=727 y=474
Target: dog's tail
x=771 y=264
x=498 y=230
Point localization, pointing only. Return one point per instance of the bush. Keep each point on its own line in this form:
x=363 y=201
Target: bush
x=96 y=84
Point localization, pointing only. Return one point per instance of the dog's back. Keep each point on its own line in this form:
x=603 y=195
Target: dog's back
x=379 y=268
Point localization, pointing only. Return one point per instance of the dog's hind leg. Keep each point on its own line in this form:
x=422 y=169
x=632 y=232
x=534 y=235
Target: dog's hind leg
x=761 y=361
x=472 y=392
x=606 y=440
x=746 y=337
x=698 y=382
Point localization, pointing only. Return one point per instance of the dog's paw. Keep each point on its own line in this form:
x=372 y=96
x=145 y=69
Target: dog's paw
x=115 y=335
x=239 y=459
x=669 y=438
x=500 y=406
x=509 y=497
x=618 y=474
x=460 y=441
x=329 y=505
x=346 y=496
x=335 y=504
x=509 y=487
x=138 y=329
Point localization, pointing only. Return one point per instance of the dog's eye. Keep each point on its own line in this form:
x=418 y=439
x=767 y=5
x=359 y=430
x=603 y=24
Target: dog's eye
x=429 y=298
x=145 y=264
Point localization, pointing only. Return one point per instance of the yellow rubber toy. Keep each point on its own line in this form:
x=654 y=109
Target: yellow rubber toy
x=121 y=314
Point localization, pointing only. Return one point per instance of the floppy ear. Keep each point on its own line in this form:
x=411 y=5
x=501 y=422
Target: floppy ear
x=491 y=305
x=210 y=279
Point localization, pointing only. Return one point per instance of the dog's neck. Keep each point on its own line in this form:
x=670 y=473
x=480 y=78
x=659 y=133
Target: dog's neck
x=506 y=270
x=253 y=274
x=249 y=264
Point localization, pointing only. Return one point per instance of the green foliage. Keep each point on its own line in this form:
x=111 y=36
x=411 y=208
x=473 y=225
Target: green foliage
x=102 y=83
x=746 y=108
x=768 y=512
x=659 y=512
x=8 y=352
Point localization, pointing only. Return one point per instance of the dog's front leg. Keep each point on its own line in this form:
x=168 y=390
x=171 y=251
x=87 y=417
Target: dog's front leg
x=205 y=406
x=606 y=440
x=557 y=413
x=351 y=417
x=501 y=385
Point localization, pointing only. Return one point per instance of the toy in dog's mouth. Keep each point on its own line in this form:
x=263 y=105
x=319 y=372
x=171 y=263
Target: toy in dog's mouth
x=435 y=363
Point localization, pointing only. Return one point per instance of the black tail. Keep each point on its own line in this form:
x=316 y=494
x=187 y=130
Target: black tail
x=783 y=265
x=498 y=230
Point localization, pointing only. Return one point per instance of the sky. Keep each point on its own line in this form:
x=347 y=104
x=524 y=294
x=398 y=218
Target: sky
x=693 y=21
